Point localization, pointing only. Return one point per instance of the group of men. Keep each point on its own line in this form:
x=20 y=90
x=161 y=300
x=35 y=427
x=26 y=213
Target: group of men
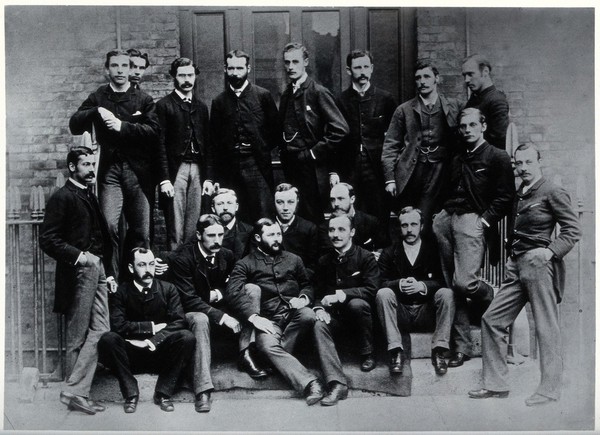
x=294 y=275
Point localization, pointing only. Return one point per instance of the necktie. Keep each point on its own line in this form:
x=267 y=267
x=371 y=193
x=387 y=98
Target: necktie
x=211 y=260
x=187 y=100
x=429 y=107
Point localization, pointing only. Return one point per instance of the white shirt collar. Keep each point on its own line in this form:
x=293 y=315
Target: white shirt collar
x=139 y=287
x=526 y=187
x=118 y=92
x=473 y=150
x=363 y=90
x=340 y=253
x=204 y=254
x=286 y=224
x=240 y=90
x=296 y=85
x=182 y=96
x=425 y=101
x=78 y=184
x=230 y=224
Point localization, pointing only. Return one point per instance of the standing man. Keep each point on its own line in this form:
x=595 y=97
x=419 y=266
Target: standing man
x=418 y=146
x=127 y=130
x=138 y=65
x=279 y=311
x=300 y=236
x=147 y=333
x=535 y=273
x=368 y=111
x=492 y=102
x=245 y=128
x=412 y=296
x=346 y=281
x=237 y=233
x=75 y=234
x=200 y=270
x=482 y=188
x=313 y=130
x=184 y=153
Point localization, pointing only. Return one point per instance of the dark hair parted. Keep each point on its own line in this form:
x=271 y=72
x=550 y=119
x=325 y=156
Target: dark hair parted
x=338 y=214
x=356 y=54
x=409 y=209
x=134 y=52
x=284 y=187
x=296 y=46
x=348 y=187
x=75 y=153
x=179 y=62
x=113 y=53
x=237 y=53
x=207 y=220
x=471 y=111
x=481 y=61
x=260 y=224
x=527 y=146
x=140 y=249
x=422 y=64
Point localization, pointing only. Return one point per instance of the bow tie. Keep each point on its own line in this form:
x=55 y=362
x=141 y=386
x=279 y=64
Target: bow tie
x=187 y=100
x=210 y=259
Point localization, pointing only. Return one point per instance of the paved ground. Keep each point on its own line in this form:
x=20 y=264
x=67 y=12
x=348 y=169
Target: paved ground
x=243 y=411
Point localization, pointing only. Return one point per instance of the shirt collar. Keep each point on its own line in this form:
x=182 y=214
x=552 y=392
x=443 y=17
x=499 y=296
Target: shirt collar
x=287 y=224
x=230 y=224
x=296 y=85
x=204 y=254
x=475 y=149
x=139 y=287
x=78 y=184
x=527 y=187
x=361 y=91
x=119 y=92
x=425 y=102
x=342 y=253
x=182 y=96
x=240 y=90
x=415 y=247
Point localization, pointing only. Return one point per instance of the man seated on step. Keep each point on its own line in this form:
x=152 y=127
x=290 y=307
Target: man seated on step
x=412 y=296
x=225 y=205
x=148 y=333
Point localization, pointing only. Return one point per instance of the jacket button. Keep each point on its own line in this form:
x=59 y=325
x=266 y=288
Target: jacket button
x=414 y=160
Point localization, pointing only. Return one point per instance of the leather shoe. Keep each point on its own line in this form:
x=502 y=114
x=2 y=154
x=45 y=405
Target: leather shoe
x=164 y=402
x=368 y=363
x=96 y=406
x=130 y=404
x=439 y=362
x=458 y=359
x=203 y=402
x=337 y=392
x=66 y=397
x=313 y=392
x=538 y=399
x=246 y=364
x=80 y=403
x=396 y=362
x=486 y=394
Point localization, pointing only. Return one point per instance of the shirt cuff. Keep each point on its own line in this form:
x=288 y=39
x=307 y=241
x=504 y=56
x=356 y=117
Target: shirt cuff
x=219 y=294
x=251 y=318
x=424 y=291
x=151 y=345
x=341 y=295
x=485 y=222
x=312 y=154
x=165 y=182
x=223 y=318
x=79 y=257
x=153 y=328
x=391 y=181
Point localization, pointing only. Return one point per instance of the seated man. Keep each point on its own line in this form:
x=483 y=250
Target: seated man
x=369 y=233
x=346 y=281
x=148 y=333
x=412 y=297
x=280 y=313
x=200 y=271
x=225 y=205
x=299 y=235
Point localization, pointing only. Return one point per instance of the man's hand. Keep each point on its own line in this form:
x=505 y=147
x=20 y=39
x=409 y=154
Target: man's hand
x=390 y=188
x=138 y=343
x=105 y=114
x=333 y=179
x=377 y=254
x=214 y=297
x=410 y=286
x=112 y=284
x=232 y=323
x=158 y=327
x=160 y=267
x=167 y=189
x=329 y=300
x=323 y=316
x=113 y=124
x=538 y=257
x=263 y=324
x=298 y=303
x=208 y=188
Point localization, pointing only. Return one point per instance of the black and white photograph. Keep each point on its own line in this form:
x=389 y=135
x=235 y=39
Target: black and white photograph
x=252 y=218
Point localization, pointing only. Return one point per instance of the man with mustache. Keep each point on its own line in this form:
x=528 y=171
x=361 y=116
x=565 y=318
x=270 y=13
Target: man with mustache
x=185 y=156
x=244 y=131
x=313 y=130
x=476 y=70
x=237 y=233
x=412 y=297
x=482 y=187
x=127 y=129
x=535 y=273
x=139 y=63
x=279 y=310
x=200 y=269
x=368 y=110
x=148 y=333
x=346 y=281
x=75 y=234
x=418 y=145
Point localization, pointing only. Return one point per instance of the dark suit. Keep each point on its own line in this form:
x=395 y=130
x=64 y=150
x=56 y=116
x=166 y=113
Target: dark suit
x=237 y=238
x=368 y=118
x=493 y=104
x=132 y=316
x=184 y=149
x=74 y=223
x=397 y=310
x=245 y=130
x=369 y=233
x=533 y=221
x=301 y=238
x=127 y=160
x=311 y=122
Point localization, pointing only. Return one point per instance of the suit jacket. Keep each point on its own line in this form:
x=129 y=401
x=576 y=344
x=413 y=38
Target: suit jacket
x=356 y=273
x=404 y=136
x=258 y=117
x=394 y=265
x=534 y=218
x=493 y=104
x=280 y=279
x=321 y=124
x=369 y=234
x=189 y=272
x=132 y=312
x=66 y=232
x=301 y=238
x=177 y=119
x=136 y=143
x=237 y=239
x=368 y=118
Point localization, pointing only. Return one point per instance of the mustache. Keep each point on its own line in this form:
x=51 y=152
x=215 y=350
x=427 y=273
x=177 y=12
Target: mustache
x=148 y=275
x=91 y=175
x=336 y=239
x=187 y=85
x=215 y=246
